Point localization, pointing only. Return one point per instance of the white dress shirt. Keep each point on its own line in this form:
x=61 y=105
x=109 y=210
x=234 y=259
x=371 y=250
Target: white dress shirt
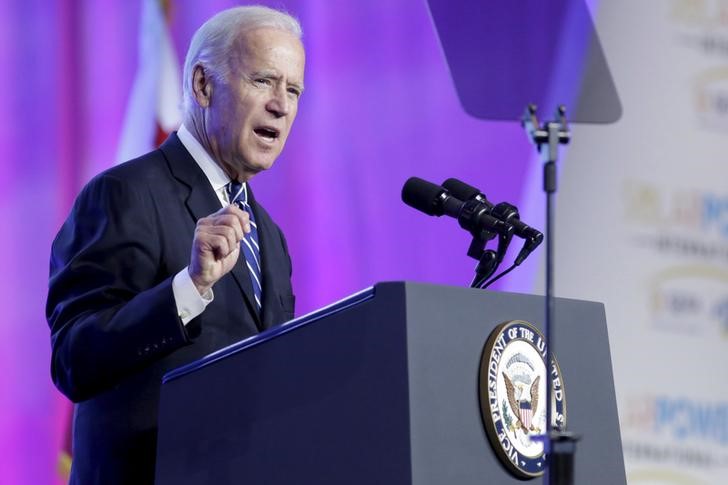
x=188 y=300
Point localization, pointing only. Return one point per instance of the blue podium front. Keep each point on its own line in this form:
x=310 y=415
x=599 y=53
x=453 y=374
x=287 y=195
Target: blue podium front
x=380 y=388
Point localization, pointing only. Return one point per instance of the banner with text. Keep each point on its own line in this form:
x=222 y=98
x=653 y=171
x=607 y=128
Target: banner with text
x=642 y=225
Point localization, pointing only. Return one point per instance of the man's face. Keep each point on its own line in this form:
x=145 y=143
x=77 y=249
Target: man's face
x=251 y=113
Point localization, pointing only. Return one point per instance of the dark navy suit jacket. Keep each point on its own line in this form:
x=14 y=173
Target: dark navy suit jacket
x=113 y=318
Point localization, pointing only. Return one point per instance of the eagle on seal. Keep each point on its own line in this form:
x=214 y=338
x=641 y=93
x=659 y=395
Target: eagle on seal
x=522 y=407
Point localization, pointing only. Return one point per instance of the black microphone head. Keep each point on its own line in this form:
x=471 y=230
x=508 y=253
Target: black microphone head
x=461 y=190
x=423 y=196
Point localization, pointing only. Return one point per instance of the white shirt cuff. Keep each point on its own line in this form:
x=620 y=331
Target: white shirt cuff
x=188 y=300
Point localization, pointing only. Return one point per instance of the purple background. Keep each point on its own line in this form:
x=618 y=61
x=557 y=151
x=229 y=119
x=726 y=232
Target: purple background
x=379 y=107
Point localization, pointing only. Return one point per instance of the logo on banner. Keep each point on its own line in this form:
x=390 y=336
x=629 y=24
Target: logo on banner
x=512 y=391
x=691 y=300
x=676 y=430
x=711 y=98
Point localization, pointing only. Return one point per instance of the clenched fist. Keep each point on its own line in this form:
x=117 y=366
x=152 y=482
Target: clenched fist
x=216 y=245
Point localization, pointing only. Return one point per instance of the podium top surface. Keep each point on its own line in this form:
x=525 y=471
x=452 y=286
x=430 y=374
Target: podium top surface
x=336 y=307
x=316 y=315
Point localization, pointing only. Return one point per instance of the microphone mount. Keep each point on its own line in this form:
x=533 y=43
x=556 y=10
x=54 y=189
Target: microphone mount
x=489 y=260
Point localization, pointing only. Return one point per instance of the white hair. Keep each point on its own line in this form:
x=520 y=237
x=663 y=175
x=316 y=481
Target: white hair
x=211 y=44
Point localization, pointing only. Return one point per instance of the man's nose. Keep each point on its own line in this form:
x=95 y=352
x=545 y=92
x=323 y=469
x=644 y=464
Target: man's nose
x=279 y=104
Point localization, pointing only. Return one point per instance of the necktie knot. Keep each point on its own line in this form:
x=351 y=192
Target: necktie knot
x=236 y=194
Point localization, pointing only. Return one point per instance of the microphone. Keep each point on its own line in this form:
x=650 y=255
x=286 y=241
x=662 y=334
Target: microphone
x=504 y=211
x=509 y=213
x=463 y=191
x=434 y=200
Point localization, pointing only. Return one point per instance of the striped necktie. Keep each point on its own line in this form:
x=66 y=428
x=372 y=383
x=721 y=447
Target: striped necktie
x=238 y=195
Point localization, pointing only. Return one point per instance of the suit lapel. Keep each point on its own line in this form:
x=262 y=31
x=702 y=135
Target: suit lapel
x=201 y=202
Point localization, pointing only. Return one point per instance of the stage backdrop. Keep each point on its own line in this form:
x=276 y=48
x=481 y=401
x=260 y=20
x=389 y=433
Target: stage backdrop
x=380 y=107
x=643 y=226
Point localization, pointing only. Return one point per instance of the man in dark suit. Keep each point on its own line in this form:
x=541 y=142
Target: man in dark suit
x=168 y=257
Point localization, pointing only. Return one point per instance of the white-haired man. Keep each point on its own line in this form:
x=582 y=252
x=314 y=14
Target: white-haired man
x=168 y=257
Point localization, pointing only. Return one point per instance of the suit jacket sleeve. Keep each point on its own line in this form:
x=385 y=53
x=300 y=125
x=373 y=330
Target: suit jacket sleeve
x=110 y=305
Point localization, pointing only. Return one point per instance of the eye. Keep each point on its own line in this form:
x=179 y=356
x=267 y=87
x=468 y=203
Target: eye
x=261 y=81
x=295 y=92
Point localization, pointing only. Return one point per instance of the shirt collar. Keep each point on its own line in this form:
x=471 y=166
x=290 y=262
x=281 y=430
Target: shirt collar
x=214 y=173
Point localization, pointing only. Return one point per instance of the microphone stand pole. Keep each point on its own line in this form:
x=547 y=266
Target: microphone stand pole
x=559 y=444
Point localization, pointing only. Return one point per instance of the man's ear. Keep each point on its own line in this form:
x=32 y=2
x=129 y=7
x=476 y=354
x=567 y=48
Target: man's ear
x=201 y=86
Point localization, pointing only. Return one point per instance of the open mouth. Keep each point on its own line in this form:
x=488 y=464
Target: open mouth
x=267 y=133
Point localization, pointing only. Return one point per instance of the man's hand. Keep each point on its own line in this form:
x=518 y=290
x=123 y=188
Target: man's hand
x=216 y=246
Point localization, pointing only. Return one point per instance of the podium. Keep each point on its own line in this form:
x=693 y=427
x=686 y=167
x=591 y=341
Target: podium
x=379 y=388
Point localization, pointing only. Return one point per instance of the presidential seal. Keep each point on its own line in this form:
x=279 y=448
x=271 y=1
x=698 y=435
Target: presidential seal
x=512 y=391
